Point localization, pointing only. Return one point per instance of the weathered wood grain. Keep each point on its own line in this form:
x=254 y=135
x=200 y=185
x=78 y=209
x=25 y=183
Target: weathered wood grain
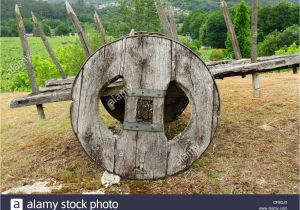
x=100 y=28
x=164 y=19
x=195 y=79
x=41 y=98
x=102 y=68
x=144 y=62
x=79 y=30
x=27 y=59
x=259 y=67
x=41 y=33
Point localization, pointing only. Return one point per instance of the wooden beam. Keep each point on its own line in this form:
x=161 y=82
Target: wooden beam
x=163 y=19
x=100 y=28
x=79 y=29
x=265 y=66
x=255 y=76
x=173 y=25
x=41 y=33
x=48 y=97
x=231 y=31
x=27 y=59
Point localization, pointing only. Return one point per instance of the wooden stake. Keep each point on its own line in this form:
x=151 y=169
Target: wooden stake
x=100 y=28
x=27 y=59
x=231 y=31
x=79 y=29
x=40 y=31
x=255 y=76
x=173 y=22
x=163 y=19
x=131 y=32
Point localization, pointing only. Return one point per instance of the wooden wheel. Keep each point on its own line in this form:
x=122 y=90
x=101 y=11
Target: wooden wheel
x=147 y=64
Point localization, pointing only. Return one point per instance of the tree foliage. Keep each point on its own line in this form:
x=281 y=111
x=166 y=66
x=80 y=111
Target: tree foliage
x=193 y=23
x=241 y=23
x=276 y=40
x=213 y=32
x=277 y=17
x=62 y=30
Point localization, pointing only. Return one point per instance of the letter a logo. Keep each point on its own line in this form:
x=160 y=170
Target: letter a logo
x=16 y=204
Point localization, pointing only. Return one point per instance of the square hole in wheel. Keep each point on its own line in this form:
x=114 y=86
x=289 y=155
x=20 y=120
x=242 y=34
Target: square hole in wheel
x=144 y=110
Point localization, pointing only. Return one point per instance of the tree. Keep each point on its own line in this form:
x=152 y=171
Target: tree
x=46 y=30
x=61 y=30
x=277 y=40
x=242 y=29
x=276 y=17
x=213 y=33
x=193 y=23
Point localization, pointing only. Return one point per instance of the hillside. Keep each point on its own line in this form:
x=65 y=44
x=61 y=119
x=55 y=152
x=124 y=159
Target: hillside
x=57 y=10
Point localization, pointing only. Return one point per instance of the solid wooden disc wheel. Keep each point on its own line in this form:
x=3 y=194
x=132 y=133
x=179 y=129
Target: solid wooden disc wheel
x=147 y=64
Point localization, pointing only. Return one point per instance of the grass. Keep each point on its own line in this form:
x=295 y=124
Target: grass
x=242 y=158
x=11 y=50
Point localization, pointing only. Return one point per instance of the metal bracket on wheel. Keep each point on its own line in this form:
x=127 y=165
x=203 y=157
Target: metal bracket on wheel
x=133 y=126
x=146 y=93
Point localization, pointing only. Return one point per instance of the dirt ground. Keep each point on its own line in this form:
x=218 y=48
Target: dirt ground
x=242 y=158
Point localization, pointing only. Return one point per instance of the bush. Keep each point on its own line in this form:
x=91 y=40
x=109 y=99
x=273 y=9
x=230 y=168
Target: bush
x=61 y=30
x=278 y=40
x=288 y=50
x=216 y=55
x=193 y=45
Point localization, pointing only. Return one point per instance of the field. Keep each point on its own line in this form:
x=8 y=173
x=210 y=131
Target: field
x=255 y=149
x=11 y=50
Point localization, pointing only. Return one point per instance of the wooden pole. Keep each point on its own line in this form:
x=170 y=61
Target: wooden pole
x=100 y=28
x=40 y=31
x=27 y=59
x=295 y=71
x=79 y=29
x=255 y=76
x=231 y=31
x=173 y=25
x=163 y=19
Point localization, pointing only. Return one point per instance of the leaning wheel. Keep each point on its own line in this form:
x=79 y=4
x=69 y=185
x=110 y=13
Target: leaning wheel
x=148 y=64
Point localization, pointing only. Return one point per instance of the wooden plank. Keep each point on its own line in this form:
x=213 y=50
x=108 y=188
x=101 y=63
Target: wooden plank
x=232 y=35
x=259 y=67
x=144 y=153
x=100 y=28
x=41 y=33
x=155 y=74
x=199 y=86
x=79 y=29
x=97 y=140
x=27 y=59
x=57 y=82
x=255 y=76
x=42 y=98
